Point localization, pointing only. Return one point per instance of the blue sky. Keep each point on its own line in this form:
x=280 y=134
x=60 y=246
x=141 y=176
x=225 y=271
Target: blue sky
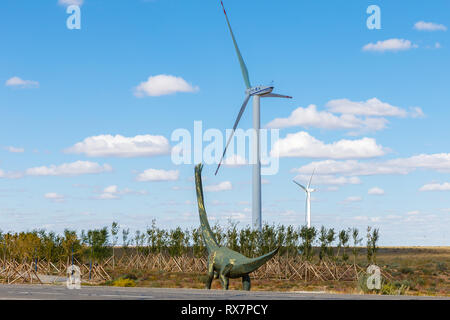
x=370 y=110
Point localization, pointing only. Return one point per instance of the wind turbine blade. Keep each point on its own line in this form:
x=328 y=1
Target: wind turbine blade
x=238 y=52
x=247 y=97
x=299 y=185
x=274 y=95
x=309 y=184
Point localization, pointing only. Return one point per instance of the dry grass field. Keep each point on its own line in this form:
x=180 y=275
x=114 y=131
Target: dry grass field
x=414 y=271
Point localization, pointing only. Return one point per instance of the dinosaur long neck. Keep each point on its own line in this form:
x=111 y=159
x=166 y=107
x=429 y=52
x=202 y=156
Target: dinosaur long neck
x=208 y=235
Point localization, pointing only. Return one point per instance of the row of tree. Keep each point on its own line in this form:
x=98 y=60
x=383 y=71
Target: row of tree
x=98 y=244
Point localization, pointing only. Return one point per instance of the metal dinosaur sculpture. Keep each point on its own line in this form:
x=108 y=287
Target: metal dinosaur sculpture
x=223 y=262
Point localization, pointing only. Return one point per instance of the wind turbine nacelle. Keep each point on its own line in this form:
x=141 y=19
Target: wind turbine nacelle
x=259 y=90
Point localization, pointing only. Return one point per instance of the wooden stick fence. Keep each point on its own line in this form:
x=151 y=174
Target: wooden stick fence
x=12 y=271
x=280 y=267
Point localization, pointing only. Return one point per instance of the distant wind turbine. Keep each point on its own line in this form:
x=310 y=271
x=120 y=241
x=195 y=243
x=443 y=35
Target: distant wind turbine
x=308 y=191
x=257 y=93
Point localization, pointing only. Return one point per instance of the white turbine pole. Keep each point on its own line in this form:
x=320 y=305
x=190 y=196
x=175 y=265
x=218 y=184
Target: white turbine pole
x=308 y=191
x=308 y=208
x=256 y=199
x=255 y=92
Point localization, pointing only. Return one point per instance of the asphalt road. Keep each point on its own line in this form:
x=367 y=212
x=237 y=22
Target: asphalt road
x=60 y=292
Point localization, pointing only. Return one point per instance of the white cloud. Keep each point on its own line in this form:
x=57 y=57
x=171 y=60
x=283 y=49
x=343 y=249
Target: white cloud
x=238 y=216
x=163 y=84
x=439 y=162
x=351 y=168
x=69 y=169
x=416 y=112
x=235 y=161
x=18 y=82
x=223 y=186
x=109 y=193
x=158 y=175
x=321 y=179
x=10 y=175
x=310 y=117
x=376 y=191
x=111 y=189
x=367 y=219
x=130 y=191
x=393 y=217
x=70 y=2
x=113 y=192
x=437 y=45
x=371 y=107
x=107 y=196
x=216 y=203
x=390 y=45
x=344 y=114
x=301 y=144
x=329 y=179
x=15 y=150
x=353 y=199
x=55 y=197
x=436 y=187
x=120 y=146
x=429 y=26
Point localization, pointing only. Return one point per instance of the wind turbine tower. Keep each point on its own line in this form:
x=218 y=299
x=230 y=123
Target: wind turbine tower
x=308 y=191
x=257 y=93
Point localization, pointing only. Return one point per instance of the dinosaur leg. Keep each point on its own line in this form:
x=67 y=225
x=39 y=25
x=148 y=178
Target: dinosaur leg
x=210 y=276
x=246 y=283
x=209 y=280
x=225 y=281
x=225 y=276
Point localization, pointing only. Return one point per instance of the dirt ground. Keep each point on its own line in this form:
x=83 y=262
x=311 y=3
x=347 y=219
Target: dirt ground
x=414 y=271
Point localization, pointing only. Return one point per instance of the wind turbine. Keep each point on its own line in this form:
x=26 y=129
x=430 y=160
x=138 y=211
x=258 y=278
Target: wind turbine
x=256 y=92
x=308 y=191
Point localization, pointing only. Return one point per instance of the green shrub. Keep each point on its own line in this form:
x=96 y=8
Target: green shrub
x=406 y=270
x=420 y=281
x=441 y=266
x=372 y=245
x=130 y=276
x=122 y=282
x=394 y=288
x=308 y=236
x=427 y=272
x=362 y=284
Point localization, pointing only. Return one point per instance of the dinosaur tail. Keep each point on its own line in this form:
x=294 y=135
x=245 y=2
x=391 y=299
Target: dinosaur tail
x=255 y=263
x=208 y=235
